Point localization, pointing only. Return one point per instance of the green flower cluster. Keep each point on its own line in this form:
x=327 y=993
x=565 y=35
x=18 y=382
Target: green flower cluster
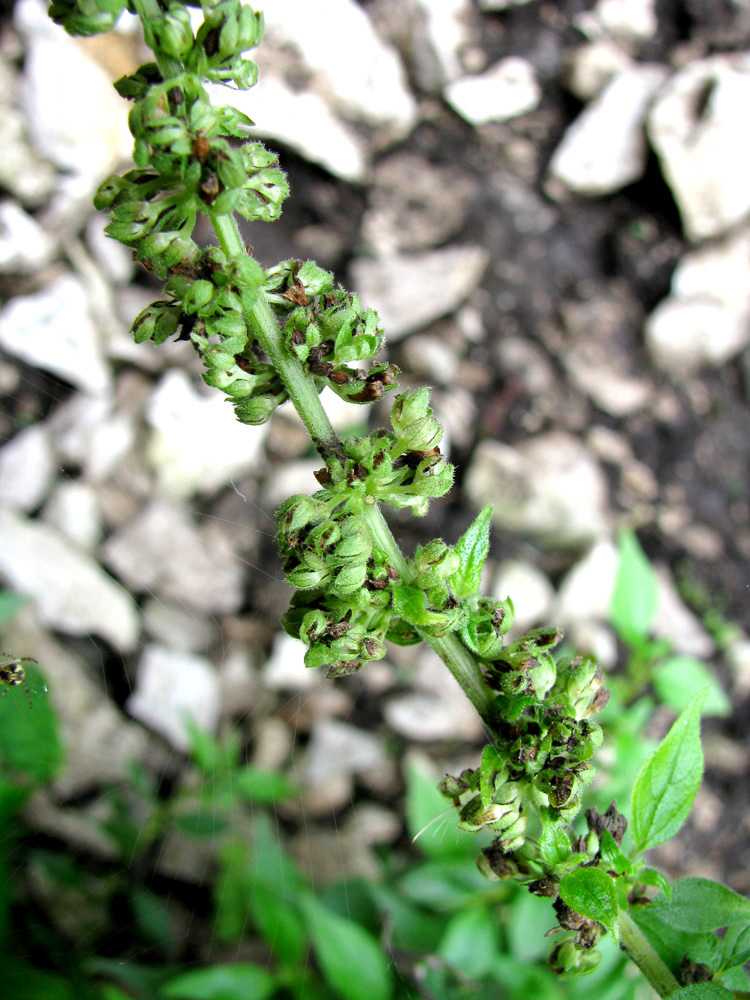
x=86 y=17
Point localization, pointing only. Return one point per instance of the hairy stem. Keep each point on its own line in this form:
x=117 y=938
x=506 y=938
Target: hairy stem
x=635 y=944
x=262 y=322
x=451 y=651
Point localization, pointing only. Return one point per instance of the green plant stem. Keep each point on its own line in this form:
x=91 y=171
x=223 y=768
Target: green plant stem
x=304 y=396
x=457 y=658
x=298 y=384
x=635 y=944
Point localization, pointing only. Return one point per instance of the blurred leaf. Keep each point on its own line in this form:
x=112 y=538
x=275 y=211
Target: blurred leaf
x=680 y=677
x=433 y=827
x=10 y=603
x=153 y=918
x=444 y=884
x=262 y=786
x=242 y=981
x=29 y=739
x=635 y=595
x=408 y=926
x=279 y=922
x=206 y=823
x=527 y=921
x=22 y=981
x=471 y=942
x=666 y=783
x=209 y=754
x=351 y=960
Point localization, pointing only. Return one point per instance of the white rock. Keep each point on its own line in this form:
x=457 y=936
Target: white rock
x=529 y=589
x=593 y=65
x=290 y=479
x=337 y=748
x=24 y=245
x=52 y=330
x=196 y=444
x=409 y=292
x=364 y=76
x=706 y=319
x=549 y=487
x=445 y=32
x=629 y=20
x=304 y=122
x=674 y=621
x=74 y=424
x=109 y=443
x=115 y=259
x=360 y=81
x=71 y=592
x=501 y=4
x=73 y=509
x=172 y=690
x=285 y=667
x=163 y=551
x=23 y=172
x=176 y=626
x=506 y=90
x=74 y=116
x=585 y=593
x=605 y=147
x=705 y=157
x=27 y=469
x=424 y=717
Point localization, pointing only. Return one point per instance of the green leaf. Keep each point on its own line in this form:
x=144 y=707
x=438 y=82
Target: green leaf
x=153 y=918
x=668 y=780
x=29 y=738
x=635 y=595
x=445 y=884
x=472 y=547
x=650 y=876
x=702 y=991
x=471 y=942
x=262 y=786
x=700 y=904
x=222 y=982
x=554 y=842
x=409 y=926
x=351 y=960
x=408 y=603
x=493 y=763
x=592 y=893
x=680 y=677
x=612 y=857
x=279 y=922
x=736 y=946
x=206 y=823
x=9 y=604
x=672 y=945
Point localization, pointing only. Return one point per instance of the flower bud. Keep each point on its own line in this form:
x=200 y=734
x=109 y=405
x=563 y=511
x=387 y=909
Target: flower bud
x=413 y=422
x=173 y=32
x=157 y=322
x=435 y=562
x=198 y=296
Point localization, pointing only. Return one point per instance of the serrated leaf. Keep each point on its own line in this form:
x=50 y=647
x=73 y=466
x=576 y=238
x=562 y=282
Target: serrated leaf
x=667 y=782
x=702 y=991
x=592 y=893
x=680 y=677
x=634 y=599
x=352 y=961
x=221 y=982
x=472 y=547
x=700 y=904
